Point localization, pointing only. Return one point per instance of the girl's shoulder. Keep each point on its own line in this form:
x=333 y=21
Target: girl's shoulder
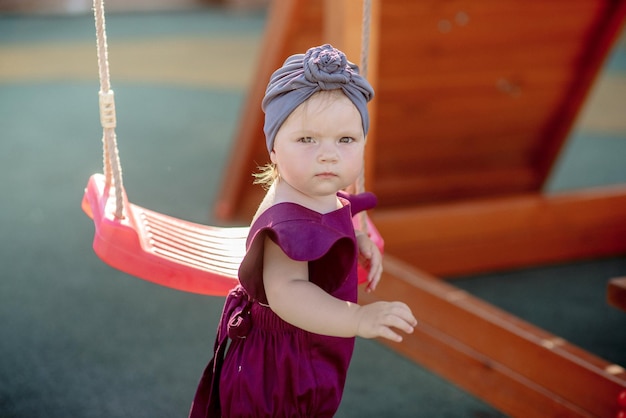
x=288 y=216
x=295 y=227
x=293 y=215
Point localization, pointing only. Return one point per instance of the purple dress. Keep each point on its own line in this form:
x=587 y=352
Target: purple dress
x=272 y=368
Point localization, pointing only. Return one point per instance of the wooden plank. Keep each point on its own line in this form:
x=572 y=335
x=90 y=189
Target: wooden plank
x=461 y=67
x=494 y=234
x=453 y=186
x=516 y=22
x=511 y=364
x=490 y=381
x=616 y=293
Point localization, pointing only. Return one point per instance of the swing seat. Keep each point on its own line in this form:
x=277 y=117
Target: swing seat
x=182 y=255
x=168 y=251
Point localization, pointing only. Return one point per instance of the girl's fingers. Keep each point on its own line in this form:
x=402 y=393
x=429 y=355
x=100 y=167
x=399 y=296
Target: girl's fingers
x=403 y=313
x=390 y=335
x=374 y=278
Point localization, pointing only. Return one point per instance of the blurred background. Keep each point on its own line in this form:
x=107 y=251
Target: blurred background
x=85 y=6
x=80 y=339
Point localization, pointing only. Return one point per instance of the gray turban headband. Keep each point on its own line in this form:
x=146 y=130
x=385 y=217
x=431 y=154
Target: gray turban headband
x=302 y=75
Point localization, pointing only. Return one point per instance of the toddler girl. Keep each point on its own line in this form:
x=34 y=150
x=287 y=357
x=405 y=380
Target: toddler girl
x=292 y=320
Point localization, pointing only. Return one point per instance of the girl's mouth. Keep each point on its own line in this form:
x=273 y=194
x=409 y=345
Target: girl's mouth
x=326 y=175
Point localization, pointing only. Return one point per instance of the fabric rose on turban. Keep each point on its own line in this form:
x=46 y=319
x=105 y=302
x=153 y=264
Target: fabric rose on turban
x=302 y=75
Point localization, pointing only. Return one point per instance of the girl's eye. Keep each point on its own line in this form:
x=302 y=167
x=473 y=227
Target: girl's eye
x=306 y=139
x=346 y=140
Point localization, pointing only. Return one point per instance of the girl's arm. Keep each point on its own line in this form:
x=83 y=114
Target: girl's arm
x=305 y=305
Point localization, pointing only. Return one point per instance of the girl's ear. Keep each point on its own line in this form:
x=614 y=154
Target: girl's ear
x=273 y=157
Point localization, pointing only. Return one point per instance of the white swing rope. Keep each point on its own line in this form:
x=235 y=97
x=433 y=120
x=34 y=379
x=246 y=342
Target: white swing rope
x=111 y=158
x=359 y=185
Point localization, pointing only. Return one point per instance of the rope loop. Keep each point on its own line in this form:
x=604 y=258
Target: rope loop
x=112 y=166
x=107 y=109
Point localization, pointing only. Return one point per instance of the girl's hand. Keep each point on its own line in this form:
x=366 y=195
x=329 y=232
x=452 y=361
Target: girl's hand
x=379 y=319
x=371 y=259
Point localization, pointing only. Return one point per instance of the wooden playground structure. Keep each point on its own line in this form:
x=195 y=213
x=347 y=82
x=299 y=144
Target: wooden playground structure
x=474 y=101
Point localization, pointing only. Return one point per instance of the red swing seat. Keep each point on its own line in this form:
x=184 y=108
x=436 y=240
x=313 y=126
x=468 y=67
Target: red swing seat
x=168 y=251
x=162 y=249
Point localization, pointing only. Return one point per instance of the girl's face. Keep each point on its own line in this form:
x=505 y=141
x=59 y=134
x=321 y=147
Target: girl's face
x=319 y=148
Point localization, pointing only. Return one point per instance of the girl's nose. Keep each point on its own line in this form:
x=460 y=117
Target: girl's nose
x=327 y=152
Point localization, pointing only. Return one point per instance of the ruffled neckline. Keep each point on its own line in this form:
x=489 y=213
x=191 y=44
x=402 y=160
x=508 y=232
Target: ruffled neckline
x=304 y=213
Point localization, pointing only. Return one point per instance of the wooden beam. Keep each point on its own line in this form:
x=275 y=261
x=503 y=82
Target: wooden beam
x=511 y=364
x=503 y=233
x=601 y=41
x=616 y=293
